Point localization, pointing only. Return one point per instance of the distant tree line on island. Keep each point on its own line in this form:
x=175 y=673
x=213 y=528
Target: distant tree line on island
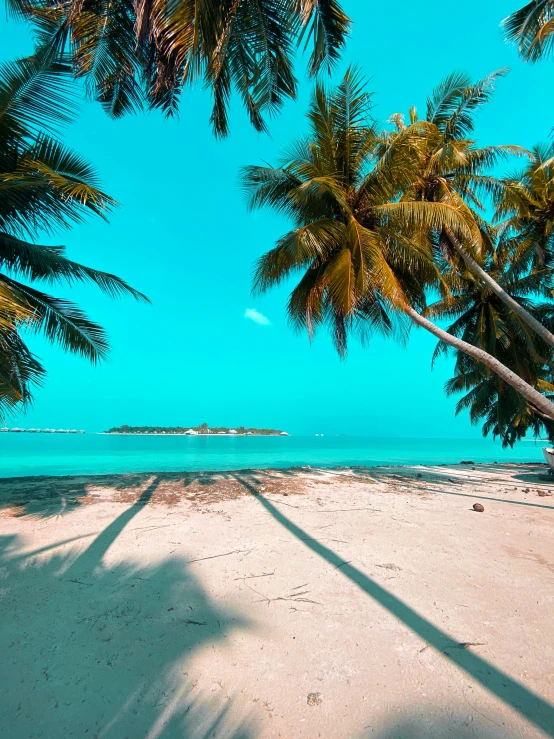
x=202 y=429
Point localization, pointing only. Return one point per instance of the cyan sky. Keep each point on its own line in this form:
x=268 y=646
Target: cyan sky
x=184 y=236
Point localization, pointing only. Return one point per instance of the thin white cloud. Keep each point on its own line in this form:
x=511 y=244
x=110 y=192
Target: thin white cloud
x=257 y=317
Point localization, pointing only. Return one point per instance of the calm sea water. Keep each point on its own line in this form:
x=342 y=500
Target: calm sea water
x=42 y=454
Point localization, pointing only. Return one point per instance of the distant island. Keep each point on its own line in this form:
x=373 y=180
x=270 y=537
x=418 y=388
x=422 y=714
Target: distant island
x=201 y=430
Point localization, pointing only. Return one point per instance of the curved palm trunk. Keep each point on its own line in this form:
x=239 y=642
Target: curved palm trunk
x=518 y=309
x=537 y=400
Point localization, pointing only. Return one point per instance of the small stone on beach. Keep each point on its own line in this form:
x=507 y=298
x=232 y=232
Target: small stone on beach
x=478 y=507
x=315 y=699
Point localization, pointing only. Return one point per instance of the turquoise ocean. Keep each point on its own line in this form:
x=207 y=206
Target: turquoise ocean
x=67 y=454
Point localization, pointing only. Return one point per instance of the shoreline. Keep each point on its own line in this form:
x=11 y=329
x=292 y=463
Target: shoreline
x=292 y=469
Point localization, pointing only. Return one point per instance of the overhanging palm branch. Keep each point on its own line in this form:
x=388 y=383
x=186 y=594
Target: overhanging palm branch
x=43 y=186
x=48 y=263
x=36 y=96
x=148 y=50
x=532 y=29
x=61 y=322
x=19 y=371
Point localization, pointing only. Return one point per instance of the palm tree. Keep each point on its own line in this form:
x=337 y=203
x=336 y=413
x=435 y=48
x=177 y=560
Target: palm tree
x=126 y=50
x=43 y=186
x=366 y=256
x=526 y=211
x=450 y=168
x=532 y=29
x=482 y=319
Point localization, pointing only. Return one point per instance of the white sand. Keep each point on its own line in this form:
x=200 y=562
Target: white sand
x=186 y=606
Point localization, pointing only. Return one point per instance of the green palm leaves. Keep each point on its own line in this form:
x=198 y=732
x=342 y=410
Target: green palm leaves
x=347 y=241
x=385 y=218
x=43 y=186
x=532 y=29
x=526 y=211
x=129 y=52
x=481 y=318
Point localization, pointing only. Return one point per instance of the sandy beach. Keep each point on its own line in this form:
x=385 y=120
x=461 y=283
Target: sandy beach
x=279 y=603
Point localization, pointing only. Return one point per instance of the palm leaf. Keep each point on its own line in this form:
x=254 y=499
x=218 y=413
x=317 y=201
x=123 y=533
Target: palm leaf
x=531 y=28
x=48 y=263
x=62 y=322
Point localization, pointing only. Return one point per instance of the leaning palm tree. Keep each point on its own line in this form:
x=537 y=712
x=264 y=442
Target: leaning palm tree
x=449 y=168
x=365 y=255
x=532 y=29
x=43 y=186
x=481 y=318
x=127 y=51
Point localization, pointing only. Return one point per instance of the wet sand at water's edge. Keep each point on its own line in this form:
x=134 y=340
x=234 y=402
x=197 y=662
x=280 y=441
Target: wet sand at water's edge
x=364 y=602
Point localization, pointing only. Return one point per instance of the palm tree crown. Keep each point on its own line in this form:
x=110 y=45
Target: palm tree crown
x=355 y=241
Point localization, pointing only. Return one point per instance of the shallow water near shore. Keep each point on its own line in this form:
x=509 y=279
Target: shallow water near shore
x=53 y=454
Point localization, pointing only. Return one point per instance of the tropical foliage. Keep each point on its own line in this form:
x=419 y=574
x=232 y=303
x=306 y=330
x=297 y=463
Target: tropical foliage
x=202 y=429
x=357 y=258
x=481 y=318
x=532 y=29
x=526 y=211
x=44 y=186
x=129 y=52
x=451 y=169
x=383 y=219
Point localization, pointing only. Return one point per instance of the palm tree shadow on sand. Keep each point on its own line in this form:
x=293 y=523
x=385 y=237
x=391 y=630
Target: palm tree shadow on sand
x=512 y=693
x=104 y=650
x=424 y=726
x=50 y=497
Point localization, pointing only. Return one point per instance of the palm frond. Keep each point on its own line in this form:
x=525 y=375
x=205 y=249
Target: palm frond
x=48 y=263
x=36 y=96
x=131 y=52
x=62 y=322
x=453 y=103
x=531 y=28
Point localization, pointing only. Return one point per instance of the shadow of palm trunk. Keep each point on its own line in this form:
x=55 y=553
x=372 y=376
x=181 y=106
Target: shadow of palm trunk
x=110 y=655
x=530 y=705
x=93 y=554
